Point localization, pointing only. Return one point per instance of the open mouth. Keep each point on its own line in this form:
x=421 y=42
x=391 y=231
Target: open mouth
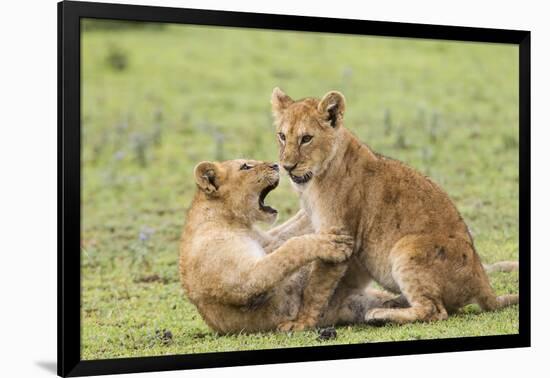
x=301 y=179
x=263 y=194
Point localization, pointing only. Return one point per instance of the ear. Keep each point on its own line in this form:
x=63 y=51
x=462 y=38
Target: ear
x=207 y=177
x=279 y=101
x=333 y=106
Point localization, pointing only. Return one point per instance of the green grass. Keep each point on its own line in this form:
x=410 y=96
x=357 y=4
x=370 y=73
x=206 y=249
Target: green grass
x=156 y=101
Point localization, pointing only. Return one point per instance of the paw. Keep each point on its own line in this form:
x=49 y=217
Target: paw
x=376 y=318
x=295 y=325
x=290 y=326
x=338 y=249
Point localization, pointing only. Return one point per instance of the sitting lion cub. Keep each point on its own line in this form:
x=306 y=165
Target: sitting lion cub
x=408 y=234
x=240 y=278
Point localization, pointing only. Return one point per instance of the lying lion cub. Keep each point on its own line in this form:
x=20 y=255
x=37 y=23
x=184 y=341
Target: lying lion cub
x=408 y=235
x=240 y=278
